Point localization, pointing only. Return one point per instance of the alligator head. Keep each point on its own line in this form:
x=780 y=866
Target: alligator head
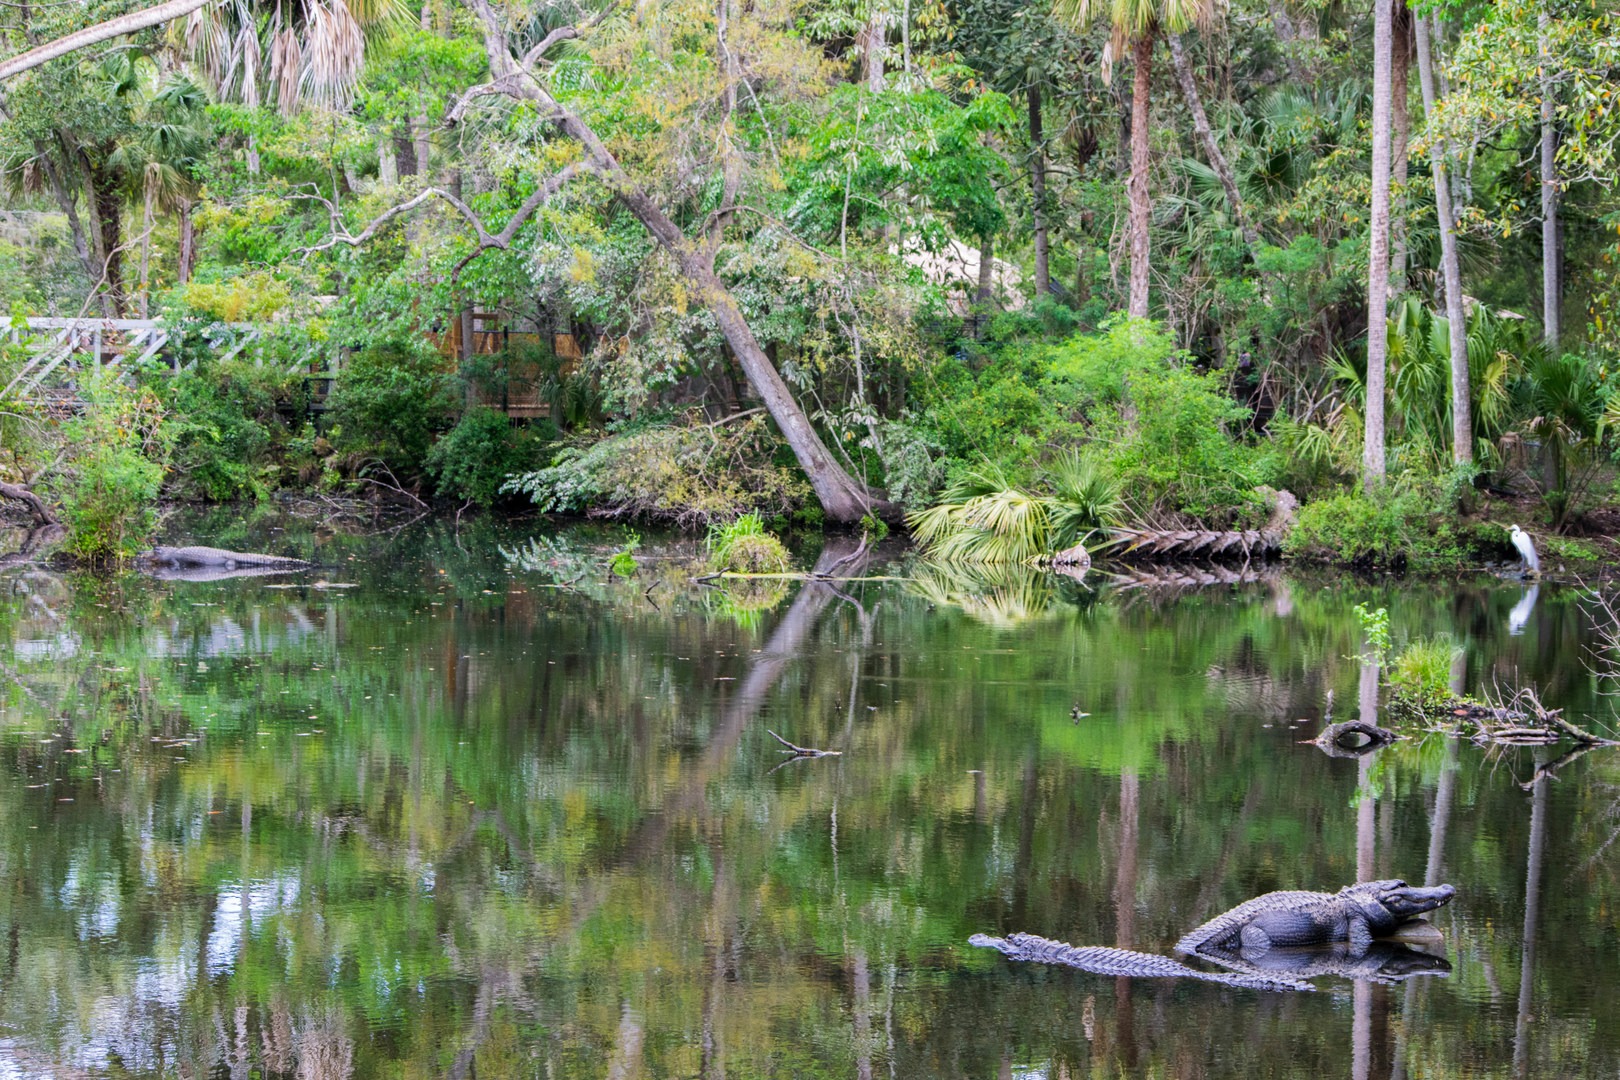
x=1400 y=900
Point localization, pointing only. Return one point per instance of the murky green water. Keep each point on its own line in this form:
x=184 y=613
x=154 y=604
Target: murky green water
x=487 y=813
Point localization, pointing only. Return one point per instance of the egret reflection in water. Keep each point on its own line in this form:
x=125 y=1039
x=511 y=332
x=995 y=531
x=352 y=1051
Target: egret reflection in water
x=1519 y=617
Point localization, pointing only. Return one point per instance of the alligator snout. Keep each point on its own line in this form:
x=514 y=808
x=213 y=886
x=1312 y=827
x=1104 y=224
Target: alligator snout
x=1407 y=901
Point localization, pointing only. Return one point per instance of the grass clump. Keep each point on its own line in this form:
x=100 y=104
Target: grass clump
x=745 y=546
x=1420 y=676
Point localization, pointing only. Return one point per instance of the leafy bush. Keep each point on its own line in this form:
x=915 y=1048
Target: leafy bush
x=1423 y=668
x=230 y=428
x=1410 y=523
x=482 y=452
x=1170 y=430
x=1421 y=673
x=687 y=473
x=744 y=546
x=390 y=403
x=117 y=450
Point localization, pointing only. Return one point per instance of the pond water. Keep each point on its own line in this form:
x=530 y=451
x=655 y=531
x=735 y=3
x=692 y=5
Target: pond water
x=473 y=807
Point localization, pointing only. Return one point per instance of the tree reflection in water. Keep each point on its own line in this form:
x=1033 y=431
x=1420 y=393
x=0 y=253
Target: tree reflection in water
x=491 y=816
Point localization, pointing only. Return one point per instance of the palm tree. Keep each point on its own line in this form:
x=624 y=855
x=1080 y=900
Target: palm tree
x=159 y=165
x=297 y=50
x=1137 y=23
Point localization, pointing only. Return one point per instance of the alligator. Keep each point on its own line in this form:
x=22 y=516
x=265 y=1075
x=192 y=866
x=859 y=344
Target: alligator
x=1274 y=942
x=1101 y=960
x=1280 y=968
x=210 y=557
x=1356 y=914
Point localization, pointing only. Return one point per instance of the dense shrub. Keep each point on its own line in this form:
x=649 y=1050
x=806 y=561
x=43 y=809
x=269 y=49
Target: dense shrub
x=116 y=453
x=389 y=403
x=483 y=451
x=232 y=428
x=1172 y=433
x=1411 y=523
x=689 y=473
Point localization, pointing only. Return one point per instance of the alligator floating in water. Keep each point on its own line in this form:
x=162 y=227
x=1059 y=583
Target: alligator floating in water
x=1274 y=942
x=1276 y=969
x=1356 y=914
x=1101 y=960
x=210 y=563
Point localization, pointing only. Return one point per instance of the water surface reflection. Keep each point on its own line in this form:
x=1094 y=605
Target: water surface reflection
x=497 y=812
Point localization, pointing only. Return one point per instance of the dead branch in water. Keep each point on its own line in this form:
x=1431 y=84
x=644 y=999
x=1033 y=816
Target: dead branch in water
x=796 y=750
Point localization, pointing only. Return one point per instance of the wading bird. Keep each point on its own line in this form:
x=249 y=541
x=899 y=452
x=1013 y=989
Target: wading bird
x=1527 y=551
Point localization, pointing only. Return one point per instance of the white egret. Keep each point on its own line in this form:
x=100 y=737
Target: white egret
x=1526 y=549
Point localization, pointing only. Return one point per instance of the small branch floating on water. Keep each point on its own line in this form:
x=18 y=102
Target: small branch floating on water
x=795 y=750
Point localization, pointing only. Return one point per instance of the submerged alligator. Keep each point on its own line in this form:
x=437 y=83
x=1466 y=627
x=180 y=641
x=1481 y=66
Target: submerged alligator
x=210 y=563
x=1274 y=942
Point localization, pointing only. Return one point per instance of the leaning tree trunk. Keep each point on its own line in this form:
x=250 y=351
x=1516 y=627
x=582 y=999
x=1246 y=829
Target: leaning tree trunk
x=1037 y=186
x=101 y=31
x=1462 y=427
x=1372 y=456
x=842 y=499
x=1141 y=208
x=1212 y=149
x=1549 y=197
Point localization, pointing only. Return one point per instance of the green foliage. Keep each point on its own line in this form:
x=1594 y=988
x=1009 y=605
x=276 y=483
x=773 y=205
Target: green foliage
x=1173 y=434
x=623 y=563
x=230 y=427
x=389 y=403
x=1411 y=523
x=743 y=546
x=484 y=450
x=1375 y=628
x=687 y=473
x=1563 y=400
x=983 y=517
x=1421 y=672
x=117 y=450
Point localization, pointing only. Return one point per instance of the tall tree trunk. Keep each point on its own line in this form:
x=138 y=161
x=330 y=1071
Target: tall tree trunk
x=1462 y=427
x=1037 y=186
x=1401 y=131
x=872 y=40
x=1550 y=299
x=147 y=224
x=188 y=244
x=1141 y=208
x=1372 y=457
x=1212 y=149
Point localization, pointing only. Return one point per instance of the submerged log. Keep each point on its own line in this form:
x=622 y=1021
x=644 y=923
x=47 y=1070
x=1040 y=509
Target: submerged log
x=1340 y=740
